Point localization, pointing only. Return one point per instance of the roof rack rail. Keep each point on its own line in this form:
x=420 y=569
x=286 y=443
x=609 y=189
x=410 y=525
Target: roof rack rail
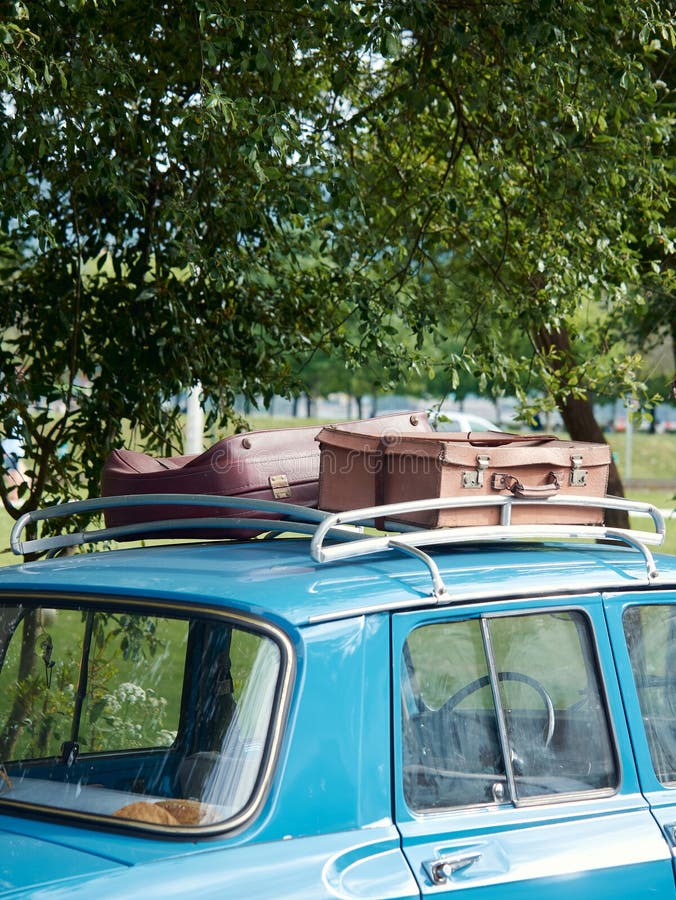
x=287 y=517
x=413 y=538
x=352 y=541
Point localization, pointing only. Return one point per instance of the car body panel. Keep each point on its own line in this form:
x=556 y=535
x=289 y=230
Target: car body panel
x=660 y=797
x=618 y=852
x=609 y=843
x=28 y=862
x=334 y=822
x=344 y=768
x=361 y=864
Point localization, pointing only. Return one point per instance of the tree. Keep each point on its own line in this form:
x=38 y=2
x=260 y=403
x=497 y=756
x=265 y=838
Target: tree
x=207 y=192
x=517 y=165
x=163 y=213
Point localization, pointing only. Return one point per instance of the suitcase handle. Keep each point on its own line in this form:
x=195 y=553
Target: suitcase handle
x=504 y=482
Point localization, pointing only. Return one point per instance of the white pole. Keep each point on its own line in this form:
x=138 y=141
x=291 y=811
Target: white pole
x=194 y=421
x=631 y=405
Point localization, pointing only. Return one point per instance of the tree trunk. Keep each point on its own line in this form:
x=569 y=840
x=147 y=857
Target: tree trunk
x=20 y=707
x=581 y=425
x=578 y=417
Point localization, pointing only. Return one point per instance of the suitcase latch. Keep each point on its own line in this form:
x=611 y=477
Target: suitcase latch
x=475 y=479
x=578 y=475
x=279 y=485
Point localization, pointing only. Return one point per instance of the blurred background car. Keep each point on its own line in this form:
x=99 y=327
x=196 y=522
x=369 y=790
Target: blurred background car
x=459 y=421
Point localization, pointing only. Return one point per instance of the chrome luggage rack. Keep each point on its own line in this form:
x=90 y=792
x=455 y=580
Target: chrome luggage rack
x=412 y=539
x=340 y=536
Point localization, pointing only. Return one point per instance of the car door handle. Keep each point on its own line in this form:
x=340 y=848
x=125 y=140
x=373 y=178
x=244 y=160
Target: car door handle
x=441 y=869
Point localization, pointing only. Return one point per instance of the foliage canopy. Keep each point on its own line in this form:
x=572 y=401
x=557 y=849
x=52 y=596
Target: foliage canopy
x=211 y=192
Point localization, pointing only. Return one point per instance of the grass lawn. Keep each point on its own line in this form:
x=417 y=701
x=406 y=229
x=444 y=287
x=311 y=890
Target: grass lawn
x=653 y=460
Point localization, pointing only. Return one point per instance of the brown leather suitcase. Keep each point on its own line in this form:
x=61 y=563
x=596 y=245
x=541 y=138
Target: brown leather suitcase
x=279 y=464
x=351 y=459
x=479 y=464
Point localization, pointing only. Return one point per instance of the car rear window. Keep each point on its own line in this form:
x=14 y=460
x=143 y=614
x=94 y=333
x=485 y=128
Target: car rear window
x=137 y=716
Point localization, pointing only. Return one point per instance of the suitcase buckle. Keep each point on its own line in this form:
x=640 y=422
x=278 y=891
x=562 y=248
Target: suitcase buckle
x=474 y=480
x=279 y=485
x=578 y=475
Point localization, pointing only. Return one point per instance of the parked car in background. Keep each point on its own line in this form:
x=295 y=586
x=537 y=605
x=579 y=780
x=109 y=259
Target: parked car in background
x=459 y=421
x=337 y=714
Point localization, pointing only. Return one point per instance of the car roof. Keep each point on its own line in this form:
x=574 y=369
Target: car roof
x=278 y=579
x=342 y=566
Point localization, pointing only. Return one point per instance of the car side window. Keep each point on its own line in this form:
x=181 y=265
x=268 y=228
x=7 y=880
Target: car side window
x=650 y=632
x=503 y=708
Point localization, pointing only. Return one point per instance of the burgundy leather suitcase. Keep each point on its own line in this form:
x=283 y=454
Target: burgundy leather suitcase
x=279 y=464
x=423 y=466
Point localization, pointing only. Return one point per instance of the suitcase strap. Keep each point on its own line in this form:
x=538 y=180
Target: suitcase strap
x=486 y=439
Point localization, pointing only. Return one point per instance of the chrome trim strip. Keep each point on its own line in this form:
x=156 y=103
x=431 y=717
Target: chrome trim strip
x=499 y=710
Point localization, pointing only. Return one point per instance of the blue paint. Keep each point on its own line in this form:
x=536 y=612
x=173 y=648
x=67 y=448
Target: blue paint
x=334 y=821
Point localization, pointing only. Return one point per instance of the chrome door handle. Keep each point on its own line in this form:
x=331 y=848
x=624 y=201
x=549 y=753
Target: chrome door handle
x=441 y=869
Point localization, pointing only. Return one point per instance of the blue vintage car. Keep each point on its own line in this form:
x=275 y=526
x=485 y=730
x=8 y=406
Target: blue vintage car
x=332 y=711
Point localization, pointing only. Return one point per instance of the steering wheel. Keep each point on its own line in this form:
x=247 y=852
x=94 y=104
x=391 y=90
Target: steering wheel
x=485 y=680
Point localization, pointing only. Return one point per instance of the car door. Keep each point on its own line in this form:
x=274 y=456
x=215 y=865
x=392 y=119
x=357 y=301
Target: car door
x=513 y=766
x=643 y=629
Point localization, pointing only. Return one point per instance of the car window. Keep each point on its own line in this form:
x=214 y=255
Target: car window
x=503 y=708
x=134 y=714
x=650 y=632
x=116 y=701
